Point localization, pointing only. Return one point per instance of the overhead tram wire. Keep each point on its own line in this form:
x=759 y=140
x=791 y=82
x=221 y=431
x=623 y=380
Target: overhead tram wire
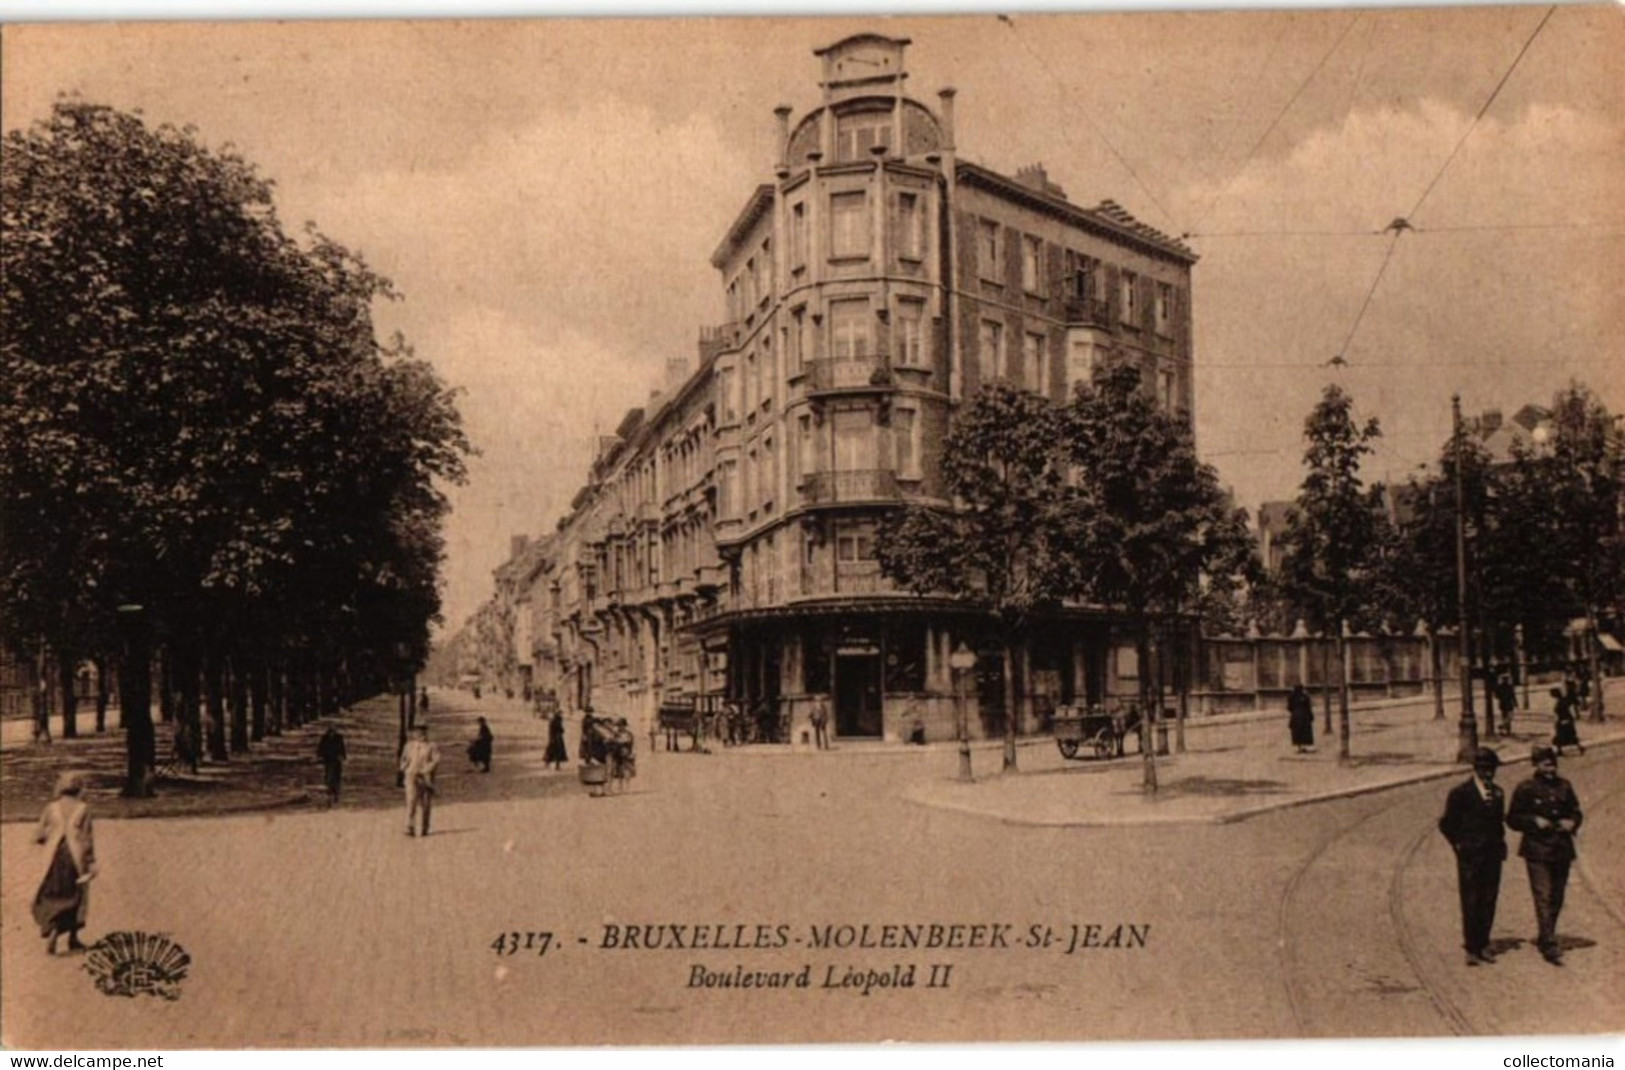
x=1268 y=130
x=1121 y=159
x=1486 y=107
x=1402 y=223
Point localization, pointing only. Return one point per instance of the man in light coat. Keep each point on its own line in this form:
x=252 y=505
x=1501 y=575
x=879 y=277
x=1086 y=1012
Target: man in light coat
x=419 y=760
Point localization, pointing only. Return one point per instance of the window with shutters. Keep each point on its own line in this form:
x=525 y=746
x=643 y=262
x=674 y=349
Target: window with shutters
x=849 y=225
x=1165 y=309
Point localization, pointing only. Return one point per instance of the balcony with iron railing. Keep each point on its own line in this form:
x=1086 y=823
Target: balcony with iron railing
x=842 y=374
x=853 y=487
x=1088 y=312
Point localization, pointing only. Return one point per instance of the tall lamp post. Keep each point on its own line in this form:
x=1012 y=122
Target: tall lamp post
x=1467 y=727
x=962 y=661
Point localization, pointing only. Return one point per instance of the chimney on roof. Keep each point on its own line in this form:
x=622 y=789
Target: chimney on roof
x=516 y=545
x=676 y=374
x=946 y=97
x=1034 y=177
x=1489 y=422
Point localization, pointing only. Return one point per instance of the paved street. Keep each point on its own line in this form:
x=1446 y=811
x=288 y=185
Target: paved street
x=1335 y=917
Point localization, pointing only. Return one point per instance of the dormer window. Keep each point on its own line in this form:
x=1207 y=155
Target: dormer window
x=856 y=135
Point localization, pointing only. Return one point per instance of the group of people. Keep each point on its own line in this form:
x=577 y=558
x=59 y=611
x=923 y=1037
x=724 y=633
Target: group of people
x=1567 y=701
x=1546 y=811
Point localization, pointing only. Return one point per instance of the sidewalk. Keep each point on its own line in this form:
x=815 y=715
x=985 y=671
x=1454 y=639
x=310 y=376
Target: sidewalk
x=1239 y=765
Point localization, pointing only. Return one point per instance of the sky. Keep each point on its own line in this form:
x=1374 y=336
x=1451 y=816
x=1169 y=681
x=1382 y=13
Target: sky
x=546 y=194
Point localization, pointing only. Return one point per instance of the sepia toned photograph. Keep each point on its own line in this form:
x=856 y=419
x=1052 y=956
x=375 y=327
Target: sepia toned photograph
x=699 y=531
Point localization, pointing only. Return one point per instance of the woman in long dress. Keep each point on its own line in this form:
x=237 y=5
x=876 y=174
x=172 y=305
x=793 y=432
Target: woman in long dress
x=63 y=898
x=557 y=752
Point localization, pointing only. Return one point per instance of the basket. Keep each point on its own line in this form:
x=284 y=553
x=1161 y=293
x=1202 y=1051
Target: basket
x=594 y=775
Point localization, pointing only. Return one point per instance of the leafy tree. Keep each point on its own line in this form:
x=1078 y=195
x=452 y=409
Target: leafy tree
x=1004 y=543
x=1336 y=533
x=1152 y=530
x=205 y=426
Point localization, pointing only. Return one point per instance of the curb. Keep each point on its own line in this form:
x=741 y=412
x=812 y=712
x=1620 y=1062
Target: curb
x=1230 y=817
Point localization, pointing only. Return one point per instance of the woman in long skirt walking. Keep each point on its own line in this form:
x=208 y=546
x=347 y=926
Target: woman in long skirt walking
x=63 y=898
x=557 y=752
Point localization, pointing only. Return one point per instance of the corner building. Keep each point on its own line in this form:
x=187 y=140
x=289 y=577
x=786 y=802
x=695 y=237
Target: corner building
x=876 y=283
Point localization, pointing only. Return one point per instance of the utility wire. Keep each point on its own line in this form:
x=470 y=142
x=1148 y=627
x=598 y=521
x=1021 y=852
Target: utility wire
x=1340 y=358
x=1474 y=124
x=1577 y=362
x=1235 y=174
x=1608 y=225
x=1008 y=21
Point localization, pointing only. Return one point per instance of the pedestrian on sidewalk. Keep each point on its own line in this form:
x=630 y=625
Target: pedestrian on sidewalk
x=1565 y=712
x=63 y=898
x=557 y=752
x=331 y=753
x=419 y=761
x=1545 y=809
x=1506 y=696
x=1301 y=719
x=479 y=751
x=1474 y=824
x=820 y=723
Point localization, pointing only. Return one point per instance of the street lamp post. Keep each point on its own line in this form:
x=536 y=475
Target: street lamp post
x=1467 y=727
x=962 y=661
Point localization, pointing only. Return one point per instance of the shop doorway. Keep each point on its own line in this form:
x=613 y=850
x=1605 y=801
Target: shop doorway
x=857 y=694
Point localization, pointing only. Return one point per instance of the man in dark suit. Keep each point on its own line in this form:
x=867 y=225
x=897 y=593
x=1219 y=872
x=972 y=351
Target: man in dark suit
x=1546 y=810
x=1473 y=822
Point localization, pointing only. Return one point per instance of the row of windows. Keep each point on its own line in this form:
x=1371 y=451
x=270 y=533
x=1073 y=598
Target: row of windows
x=1084 y=277
x=849 y=440
x=1030 y=367
x=850 y=236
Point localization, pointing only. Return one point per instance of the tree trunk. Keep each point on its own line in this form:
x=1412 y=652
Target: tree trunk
x=214 y=672
x=1340 y=647
x=188 y=707
x=1599 y=711
x=135 y=713
x=1009 y=704
x=1326 y=682
x=1436 y=657
x=101 y=693
x=1145 y=647
x=239 y=705
x=276 y=692
x=166 y=686
x=1182 y=680
x=257 y=680
x=67 y=678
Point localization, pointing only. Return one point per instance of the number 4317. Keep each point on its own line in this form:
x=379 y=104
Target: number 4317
x=515 y=942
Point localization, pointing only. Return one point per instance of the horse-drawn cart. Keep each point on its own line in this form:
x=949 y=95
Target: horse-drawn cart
x=1093 y=732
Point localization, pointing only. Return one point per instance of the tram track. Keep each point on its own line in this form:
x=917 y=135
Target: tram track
x=1408 y=982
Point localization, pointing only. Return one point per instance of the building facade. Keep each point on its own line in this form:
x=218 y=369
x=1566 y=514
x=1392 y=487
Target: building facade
x=724 y=545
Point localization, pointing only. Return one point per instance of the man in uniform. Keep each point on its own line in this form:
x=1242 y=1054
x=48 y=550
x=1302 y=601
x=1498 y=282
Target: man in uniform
x=1546 y=810
x=1473 y=822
